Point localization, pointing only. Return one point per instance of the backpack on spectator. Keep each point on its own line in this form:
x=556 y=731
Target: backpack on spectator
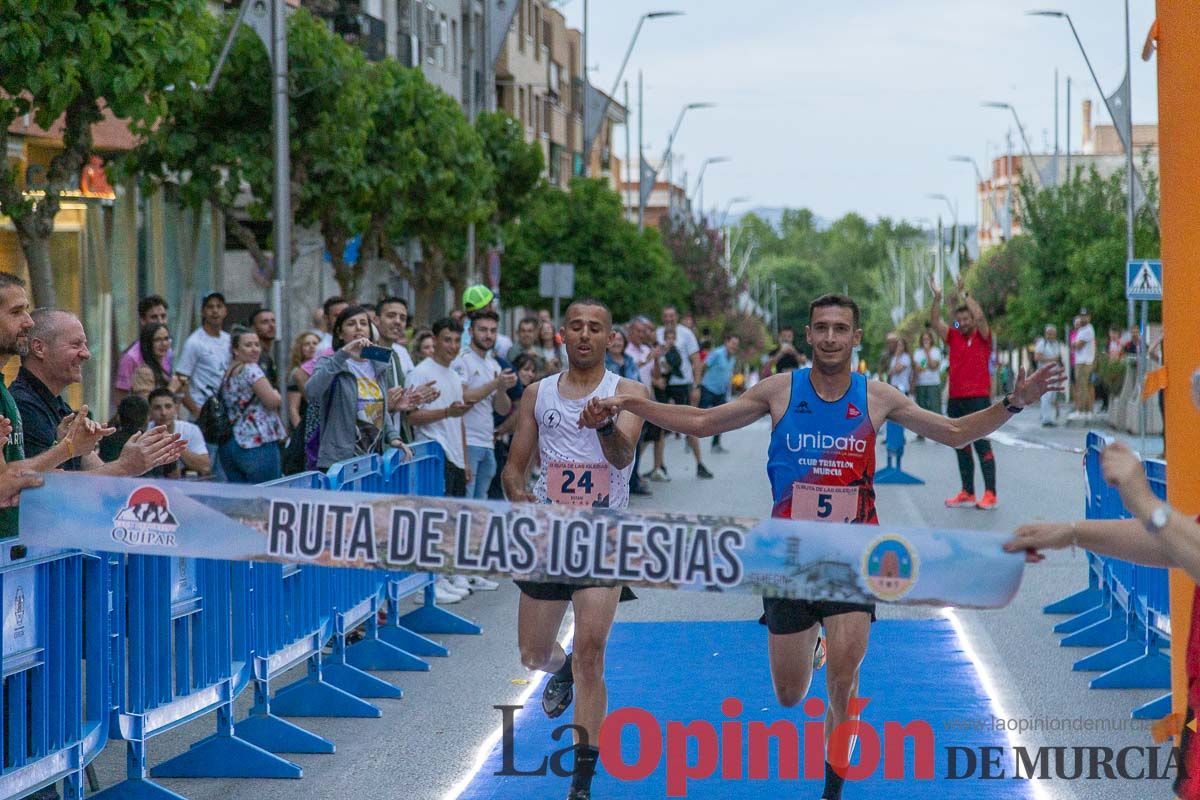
x=213 y=419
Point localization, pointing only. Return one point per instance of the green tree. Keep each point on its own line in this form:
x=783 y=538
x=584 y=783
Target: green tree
x=629 y=270
x=699 y=252
x=429 y=178
x=1071 y=254
x=217 y=145
x=850 y=256
x=76 y=60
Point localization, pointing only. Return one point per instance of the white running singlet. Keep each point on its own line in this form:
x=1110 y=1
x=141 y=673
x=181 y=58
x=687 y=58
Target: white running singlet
x=574 y=469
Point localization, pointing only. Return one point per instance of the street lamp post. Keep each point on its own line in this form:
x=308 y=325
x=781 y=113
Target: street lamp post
x=652 y=175
x=979 y=177
x=954 y=238
x=699 y=191
x=1020 y=127
x=1129 y=173
x=732 y=202
x=591 y=127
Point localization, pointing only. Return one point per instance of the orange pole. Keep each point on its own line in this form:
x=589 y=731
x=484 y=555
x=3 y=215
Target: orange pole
x=1179 y=164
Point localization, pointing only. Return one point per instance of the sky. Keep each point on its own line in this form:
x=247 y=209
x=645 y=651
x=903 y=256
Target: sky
x=857 y=105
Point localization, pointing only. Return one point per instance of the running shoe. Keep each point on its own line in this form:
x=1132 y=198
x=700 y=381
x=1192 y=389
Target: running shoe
x=702 y=472
x=960 y=500
x=819 y=653
x=460 y=583
x=579 y=794
x=659 y=474
x=988 y=502
x=478 y=583
x=557 y=696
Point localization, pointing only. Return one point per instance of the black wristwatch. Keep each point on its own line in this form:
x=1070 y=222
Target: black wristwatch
x=607 y=429
x=1009 y=407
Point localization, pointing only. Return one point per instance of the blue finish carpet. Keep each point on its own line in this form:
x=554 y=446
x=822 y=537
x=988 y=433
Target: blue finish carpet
x=682 y=672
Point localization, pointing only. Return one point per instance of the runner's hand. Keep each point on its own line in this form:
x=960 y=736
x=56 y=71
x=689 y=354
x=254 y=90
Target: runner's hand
x=13 y=481
x=1028 y=390
x=595 y=415
x=611 y=405
x=6 y=429
x=1031 y=539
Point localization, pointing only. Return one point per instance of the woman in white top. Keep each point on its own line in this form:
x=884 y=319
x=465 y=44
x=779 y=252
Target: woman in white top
x=928 y=360
x=900 y=369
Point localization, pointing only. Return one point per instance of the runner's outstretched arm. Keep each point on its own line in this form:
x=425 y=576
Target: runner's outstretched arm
x=962 y=431
x=524 y=442
x=701 y=422
x=620 y=442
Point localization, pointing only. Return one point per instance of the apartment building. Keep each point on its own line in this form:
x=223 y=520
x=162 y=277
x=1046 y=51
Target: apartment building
x=539 y=80
x=1099 y=148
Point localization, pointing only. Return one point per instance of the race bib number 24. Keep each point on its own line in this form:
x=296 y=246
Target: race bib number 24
x=572 y=483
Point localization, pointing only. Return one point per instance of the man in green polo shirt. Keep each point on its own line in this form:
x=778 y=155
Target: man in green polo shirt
x=81 y=434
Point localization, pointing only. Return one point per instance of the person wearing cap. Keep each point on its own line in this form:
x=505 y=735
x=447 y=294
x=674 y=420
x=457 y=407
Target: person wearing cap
x=477 y=298
x=1084 y=347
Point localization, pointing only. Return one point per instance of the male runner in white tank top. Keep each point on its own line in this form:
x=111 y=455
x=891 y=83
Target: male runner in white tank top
x=587 y=456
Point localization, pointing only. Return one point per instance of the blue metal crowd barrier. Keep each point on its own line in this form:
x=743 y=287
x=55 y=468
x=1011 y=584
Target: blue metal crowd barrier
x=49 y=663
x=171 y=640
x=1125 y=609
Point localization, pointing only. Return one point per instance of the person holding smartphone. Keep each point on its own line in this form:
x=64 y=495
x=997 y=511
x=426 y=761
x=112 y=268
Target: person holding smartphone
x=348 y=389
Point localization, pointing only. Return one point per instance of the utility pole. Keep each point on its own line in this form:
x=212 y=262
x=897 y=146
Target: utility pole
x=1129 y=210
x=1055 y=126
x=641 y=161
x=587 y=157
x=628 y=158
x=1008 y=187
x=282 y=200
x=1068 y=130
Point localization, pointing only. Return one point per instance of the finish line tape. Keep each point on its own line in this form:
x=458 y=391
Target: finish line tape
x=662 y=550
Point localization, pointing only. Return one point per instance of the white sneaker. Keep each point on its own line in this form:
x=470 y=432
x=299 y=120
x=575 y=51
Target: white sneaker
x=440 y=595
x=444 y=585
x=460 y=583
x=478 y=583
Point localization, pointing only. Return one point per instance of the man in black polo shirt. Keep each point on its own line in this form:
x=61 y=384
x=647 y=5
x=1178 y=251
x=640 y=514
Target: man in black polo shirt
x=80 y=434
x=53 y=360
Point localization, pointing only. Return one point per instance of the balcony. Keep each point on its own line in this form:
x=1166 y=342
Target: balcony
x=347 y=20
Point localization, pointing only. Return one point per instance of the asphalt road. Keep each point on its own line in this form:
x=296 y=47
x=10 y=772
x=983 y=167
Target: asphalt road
x=428 y=741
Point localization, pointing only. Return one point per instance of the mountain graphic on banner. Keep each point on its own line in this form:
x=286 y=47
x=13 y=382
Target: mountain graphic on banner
x=1146 y=280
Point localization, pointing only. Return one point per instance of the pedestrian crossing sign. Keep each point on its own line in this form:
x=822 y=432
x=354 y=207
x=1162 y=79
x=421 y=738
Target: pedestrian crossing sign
x=1143 y=280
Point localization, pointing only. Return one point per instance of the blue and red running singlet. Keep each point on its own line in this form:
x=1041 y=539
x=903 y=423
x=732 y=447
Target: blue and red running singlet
x=821 y=461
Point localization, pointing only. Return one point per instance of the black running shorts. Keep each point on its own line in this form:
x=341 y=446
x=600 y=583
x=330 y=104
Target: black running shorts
x=563 y=591
x=793 y=616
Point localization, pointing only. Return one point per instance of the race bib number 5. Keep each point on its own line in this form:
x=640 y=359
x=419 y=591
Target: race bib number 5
x=814 y=503
x=572 y=483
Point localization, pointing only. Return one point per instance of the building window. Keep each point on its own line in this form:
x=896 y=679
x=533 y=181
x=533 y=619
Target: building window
x=537 y=33
x=521 y=105
x=556 y=158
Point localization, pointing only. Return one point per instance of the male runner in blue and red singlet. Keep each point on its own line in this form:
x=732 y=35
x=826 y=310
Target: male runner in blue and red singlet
x=821 y=464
